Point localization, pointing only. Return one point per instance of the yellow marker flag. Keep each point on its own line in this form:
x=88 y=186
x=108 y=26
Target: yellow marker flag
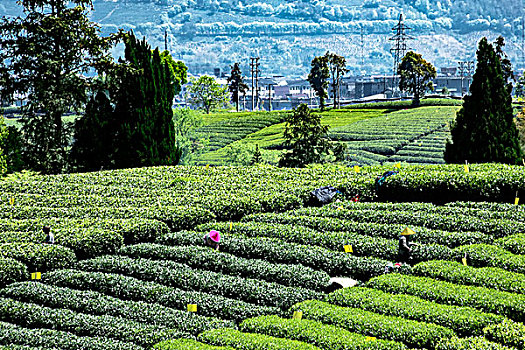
x=407 y=232
x=192 y=307
x=231 y=225
x=348 y=248
x=357 y=169
x=467 y=170
x=11 y=201
x=36 y=275
x=523 y=161
x=297 y=315
x=516 y=201
x=464 y=261
x=207 y=166
x=397 y=165
x=370 y=338
x=339 y=208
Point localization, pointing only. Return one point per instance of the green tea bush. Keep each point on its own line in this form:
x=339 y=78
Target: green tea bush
x=95 y=303
x=187 y=344
x=48 y=338
x=488 y=300
x=507 y=333
x=39 y=257
x=489 y=277
x=12 y=271
x=412 y=333
x=277 y=251
x=208 y=259
x=251 y=341
x=129 y=288
x=321 y=335
x=472 y=343
x=493 y=256
x=36 y=316
x=464 y=321
x=181 y=276
x=514 y=244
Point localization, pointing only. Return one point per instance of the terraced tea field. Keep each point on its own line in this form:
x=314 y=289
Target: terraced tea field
x=373 y=136
x=130 y=261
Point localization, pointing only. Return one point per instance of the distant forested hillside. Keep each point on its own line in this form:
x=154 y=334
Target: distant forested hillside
x=287 y=34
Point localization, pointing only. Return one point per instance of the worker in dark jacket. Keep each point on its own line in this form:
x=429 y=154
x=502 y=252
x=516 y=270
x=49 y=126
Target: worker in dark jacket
x=405 y=246
x=50 y=238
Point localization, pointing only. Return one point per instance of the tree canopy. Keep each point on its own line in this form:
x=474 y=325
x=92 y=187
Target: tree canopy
x=236 y=84
x=207 y=94
x=415 y=76
x=484 y=130
x=318 y=78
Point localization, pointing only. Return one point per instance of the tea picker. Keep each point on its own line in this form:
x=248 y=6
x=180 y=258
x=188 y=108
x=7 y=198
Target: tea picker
x=405 y=246
x=212 y=239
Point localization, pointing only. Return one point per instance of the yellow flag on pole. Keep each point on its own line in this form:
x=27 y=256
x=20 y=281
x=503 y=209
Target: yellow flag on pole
x=397 y=165
x=370 y=338
x=11 y=201
x=297 y=315
x=464 y=261
x=207 y=166
x=192 y=307
x=348 y=248
x=516 y=201
x=357 y=169
x=36 y=275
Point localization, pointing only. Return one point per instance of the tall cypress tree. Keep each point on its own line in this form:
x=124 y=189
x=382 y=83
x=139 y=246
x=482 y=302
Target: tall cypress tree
x=484 y=130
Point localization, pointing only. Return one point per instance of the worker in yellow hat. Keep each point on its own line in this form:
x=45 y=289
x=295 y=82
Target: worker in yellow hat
x=405 y=246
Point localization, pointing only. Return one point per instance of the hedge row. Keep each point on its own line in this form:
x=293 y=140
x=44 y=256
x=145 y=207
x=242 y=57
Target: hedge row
x=11 y=271
x=321 y=335
x=493 y=256
x=95 y=303
x=181 y=276
x=488 y=300
x=507 y=333
x=208 y=259
x=462 y=320
x=251 y=341
x=364 y=246
x=319 y=223
x=129 y=288
x=48 y=338
x=277 y=251
x=187 y=344
x=177 y=218
x=489 y=277
x=491 y=227
x=515 y=243
x=36 y=316
x=472 y=343
x=412 y=333
x=39 y=257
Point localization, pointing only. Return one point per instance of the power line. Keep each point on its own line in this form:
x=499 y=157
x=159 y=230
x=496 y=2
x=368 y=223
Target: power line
x=465 y=70
x=399 y=47
x=254 y=70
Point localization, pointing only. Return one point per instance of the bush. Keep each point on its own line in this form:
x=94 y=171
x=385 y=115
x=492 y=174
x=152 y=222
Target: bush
x=178 y=275
x=48 y=338
x=208 y=259
x=474 y=343
x=507 y=333
x=488 y=300
x=490 y=255
x=412 y=333
x=515 y=243
x=250 y=341
x=129 y=288
x=322 y=335
x=464 y=321
x=95 y=303
x=187 y=344
x=39 y=257
x=35 y=316
x=489 y=277
x=277 y=251
x=12 y=271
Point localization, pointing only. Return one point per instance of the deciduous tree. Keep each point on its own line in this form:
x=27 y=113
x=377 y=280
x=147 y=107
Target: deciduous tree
x=318 y=78
x=415 y=76
x=337 y=68
x=207 y=94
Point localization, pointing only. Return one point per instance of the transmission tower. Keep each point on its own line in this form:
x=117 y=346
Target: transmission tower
x=399 y=47
x=254 y=70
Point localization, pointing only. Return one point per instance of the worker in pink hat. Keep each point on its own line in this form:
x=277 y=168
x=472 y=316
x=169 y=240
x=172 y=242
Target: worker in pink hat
x=212 y=239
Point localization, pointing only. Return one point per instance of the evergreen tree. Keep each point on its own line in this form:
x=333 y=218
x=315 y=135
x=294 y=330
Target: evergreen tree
x=484 y=130
x=415 y=76
x=257 y=156
x=236 y=84
x=44 y=56
x=3 y=139
x=318 y=78
x=306 y=137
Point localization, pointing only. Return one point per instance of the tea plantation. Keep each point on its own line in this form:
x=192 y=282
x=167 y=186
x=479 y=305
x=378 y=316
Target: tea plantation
x=372 y=136
x=129 y=258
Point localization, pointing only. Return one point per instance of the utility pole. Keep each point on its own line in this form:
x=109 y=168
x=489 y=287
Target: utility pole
x=270 y=96
x=254 y=70
x=362 y=49
x=165 y=40
x=399 y=47
x=465 y=70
